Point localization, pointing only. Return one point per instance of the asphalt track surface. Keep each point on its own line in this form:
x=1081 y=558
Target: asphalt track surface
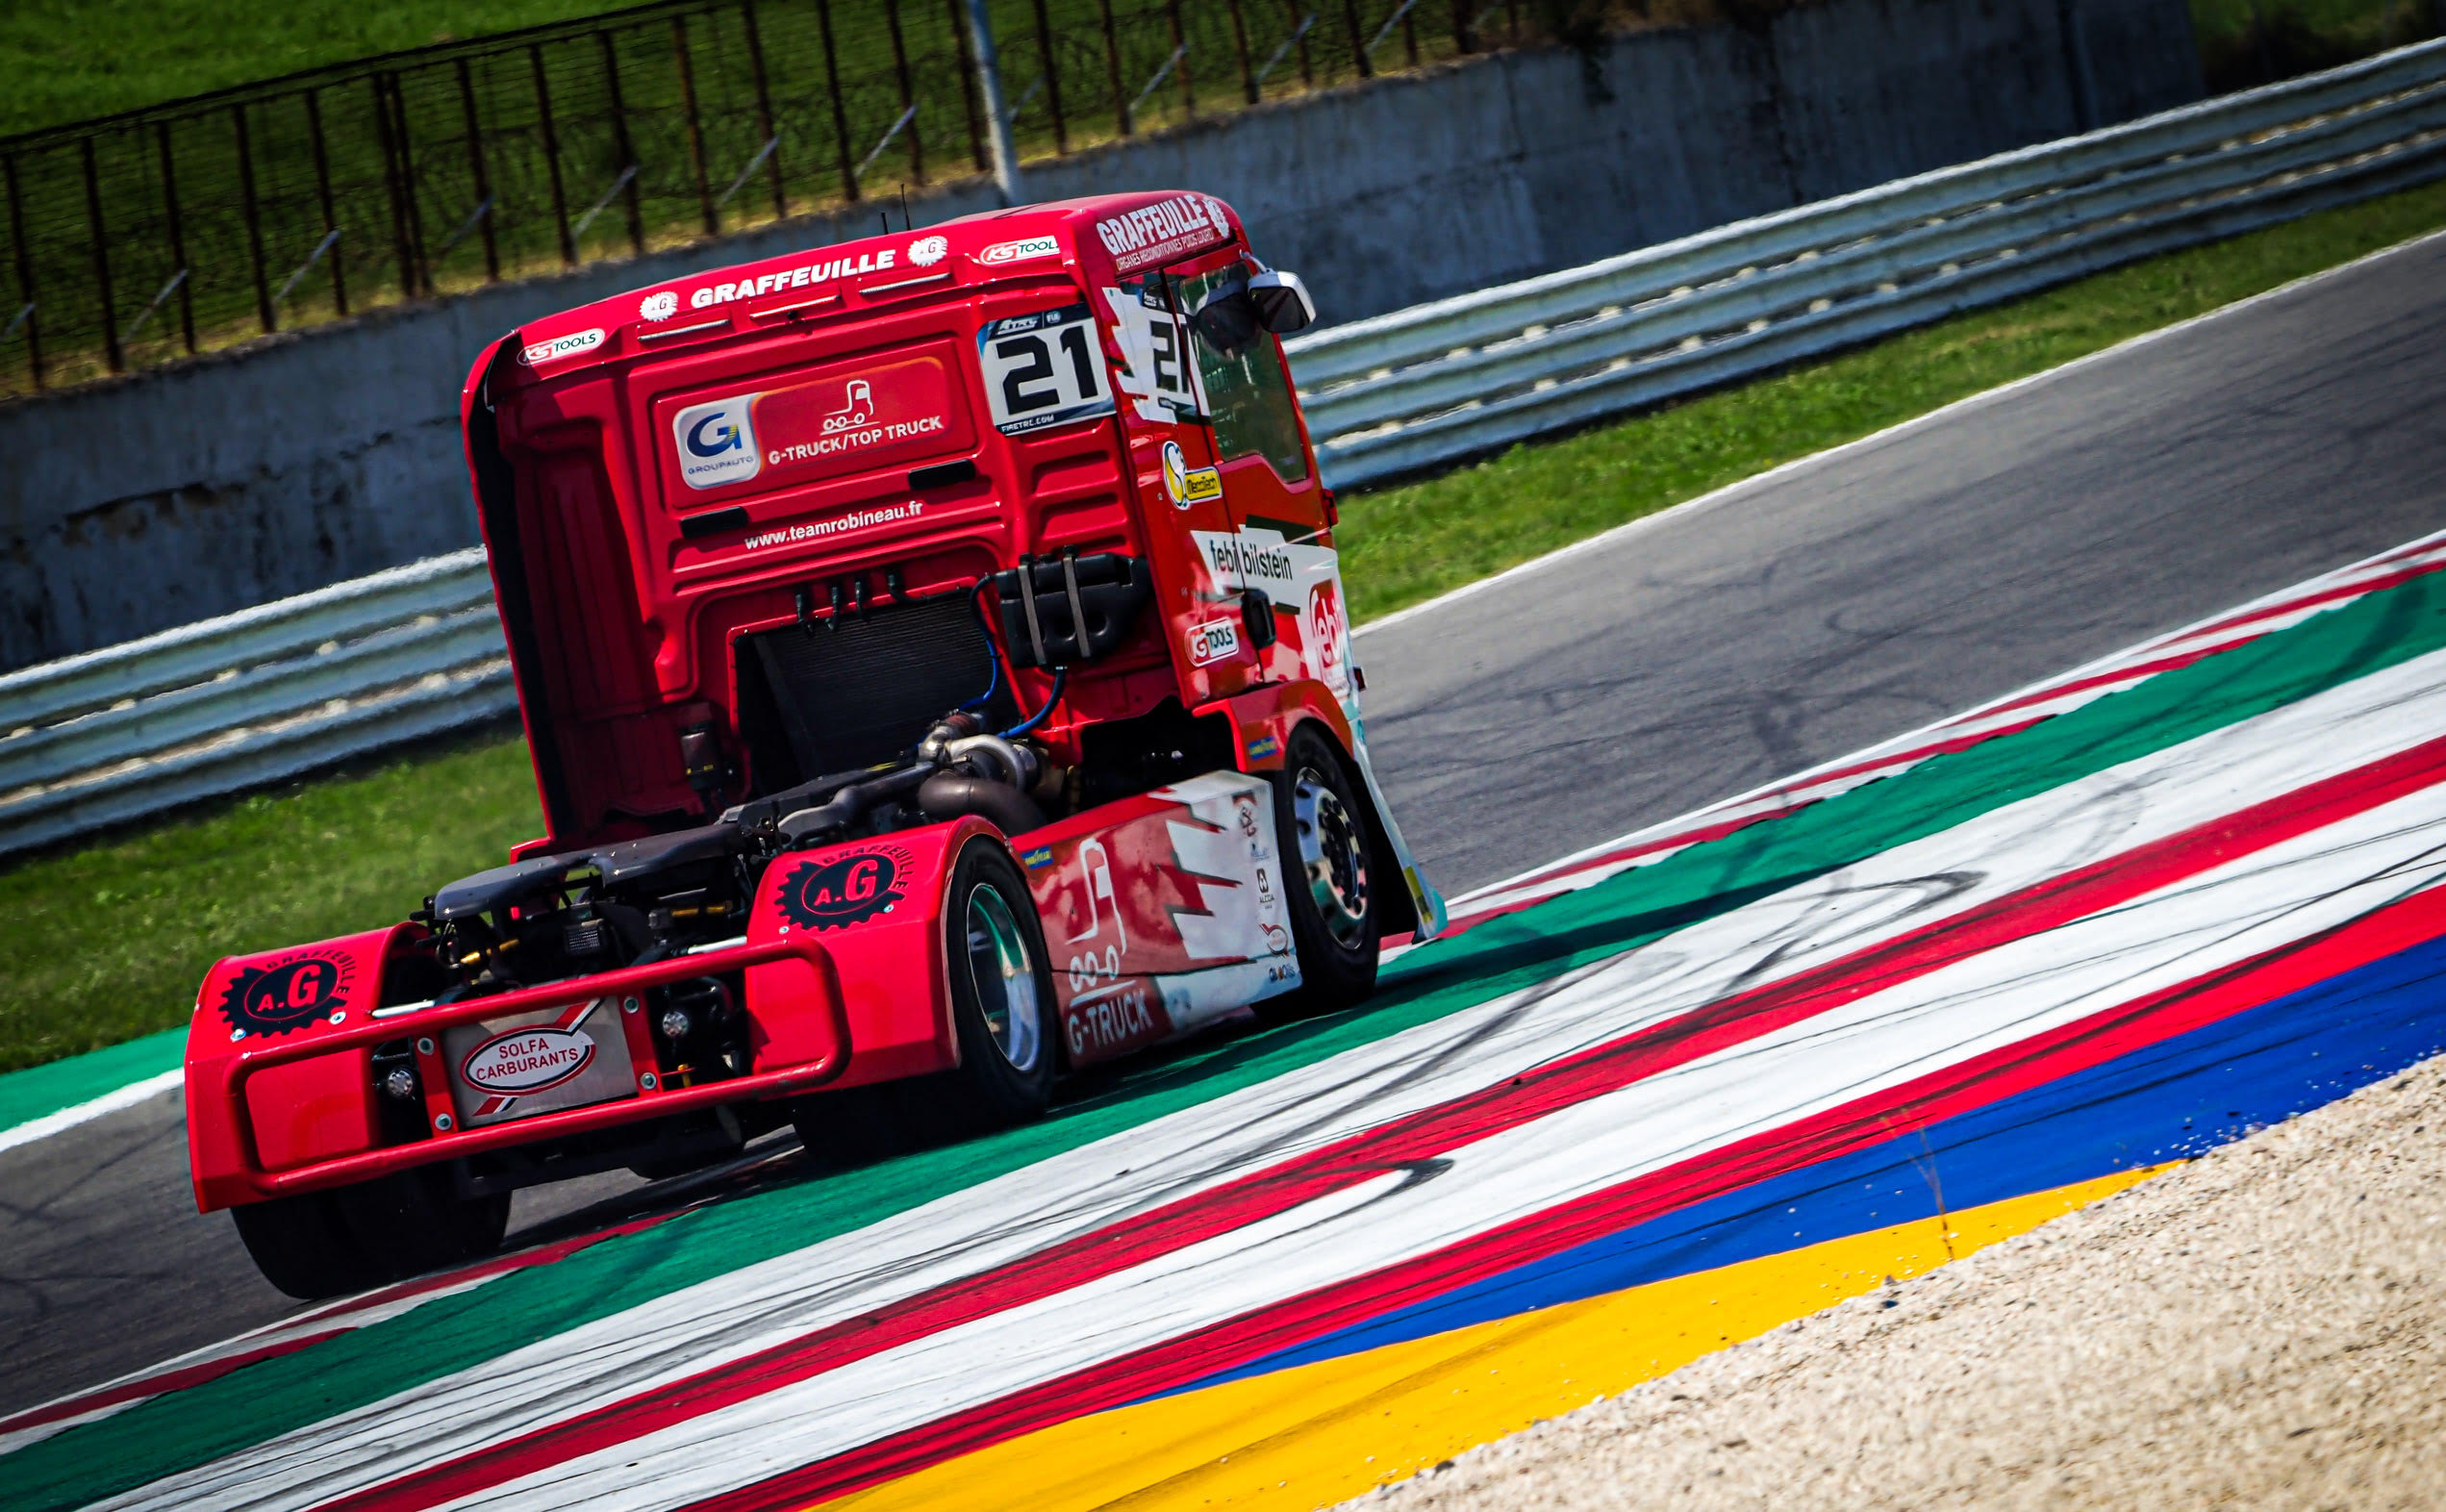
x=1787 y=622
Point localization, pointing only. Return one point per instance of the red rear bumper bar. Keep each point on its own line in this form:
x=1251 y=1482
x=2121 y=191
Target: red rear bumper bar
x=224 y=1080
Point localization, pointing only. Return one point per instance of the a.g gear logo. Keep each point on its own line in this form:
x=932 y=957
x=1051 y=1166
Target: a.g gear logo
x=287 y=993
x=845 y=890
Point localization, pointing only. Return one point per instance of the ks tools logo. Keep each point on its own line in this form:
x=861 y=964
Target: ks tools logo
x=287 y=993
x=845 y=890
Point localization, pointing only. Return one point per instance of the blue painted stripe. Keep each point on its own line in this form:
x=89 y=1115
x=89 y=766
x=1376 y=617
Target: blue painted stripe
x=2178 y=1097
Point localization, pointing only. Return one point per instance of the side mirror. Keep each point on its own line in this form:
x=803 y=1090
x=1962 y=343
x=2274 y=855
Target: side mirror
x=1282 y=302
x=1228 y=320
x=1232 y=315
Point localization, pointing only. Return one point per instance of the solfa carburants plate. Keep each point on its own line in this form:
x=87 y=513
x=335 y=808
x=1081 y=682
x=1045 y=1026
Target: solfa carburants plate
x=540 y=1062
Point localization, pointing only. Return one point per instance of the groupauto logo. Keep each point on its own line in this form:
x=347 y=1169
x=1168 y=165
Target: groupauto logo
x=716 y=442
x=713 y=436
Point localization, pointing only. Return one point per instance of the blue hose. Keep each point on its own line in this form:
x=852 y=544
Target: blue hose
x=993 y=657
x=1061 y=674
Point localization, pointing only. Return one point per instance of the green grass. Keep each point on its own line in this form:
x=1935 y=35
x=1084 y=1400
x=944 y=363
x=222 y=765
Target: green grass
x=2247 y=42
x=69 y=62
x=100 y=945
x=110 y=941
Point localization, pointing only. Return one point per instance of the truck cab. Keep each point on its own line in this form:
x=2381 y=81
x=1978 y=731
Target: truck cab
x=932 y=654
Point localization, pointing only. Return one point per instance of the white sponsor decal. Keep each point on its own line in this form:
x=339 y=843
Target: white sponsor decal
x=1043 y=369
x=562 y=346
x=1020 y=251
x=926 y=251
x=817 y=530
x=1125 y=1016
x=855 y=440
x=716 y=442
x=1156 y=233
x=1258 y=559
x=1232 y=868
x=857 y=407
x=1155 y=352
x=1325 y=637
x=1298 y=576
x=1212 y=642
x=659 y=305
x=527 y=1060
x=822 y=271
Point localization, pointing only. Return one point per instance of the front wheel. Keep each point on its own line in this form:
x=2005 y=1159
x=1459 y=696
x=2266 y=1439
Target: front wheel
x=1334 y=892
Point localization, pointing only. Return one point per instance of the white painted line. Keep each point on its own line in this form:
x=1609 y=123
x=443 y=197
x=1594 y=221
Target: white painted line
x=69 y=1118
x=1732 y=490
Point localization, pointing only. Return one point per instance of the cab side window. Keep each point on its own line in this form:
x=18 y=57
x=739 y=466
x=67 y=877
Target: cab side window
x=1247 y=392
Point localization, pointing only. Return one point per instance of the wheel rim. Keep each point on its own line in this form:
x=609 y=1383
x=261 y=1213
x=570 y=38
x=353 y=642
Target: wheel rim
x=1004 y=975
x=1334 y=852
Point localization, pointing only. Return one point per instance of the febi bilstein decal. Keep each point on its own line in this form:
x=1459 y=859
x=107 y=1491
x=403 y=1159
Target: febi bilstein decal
x=288 y=991
x=845 y=890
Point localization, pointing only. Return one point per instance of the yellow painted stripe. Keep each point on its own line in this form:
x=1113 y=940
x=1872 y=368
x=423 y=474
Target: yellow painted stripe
x=1317 y=1434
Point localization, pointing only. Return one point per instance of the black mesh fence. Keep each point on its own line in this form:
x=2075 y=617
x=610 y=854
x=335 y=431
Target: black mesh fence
x=143 y=238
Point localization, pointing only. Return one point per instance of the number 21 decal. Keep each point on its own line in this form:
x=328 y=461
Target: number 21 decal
x=1043 y=369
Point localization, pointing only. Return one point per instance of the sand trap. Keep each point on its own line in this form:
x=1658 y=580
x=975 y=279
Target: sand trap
x=2263 y=1327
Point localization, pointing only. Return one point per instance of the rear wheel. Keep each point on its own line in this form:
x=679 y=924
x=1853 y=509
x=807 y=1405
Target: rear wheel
x=301 y=1246
x=416 y=1221
x=1003 y=1012
x=1001 y=989
x=1332 y=890
x=323 y=1244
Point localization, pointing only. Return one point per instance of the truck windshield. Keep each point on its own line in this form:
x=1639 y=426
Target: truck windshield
x=1251 y=400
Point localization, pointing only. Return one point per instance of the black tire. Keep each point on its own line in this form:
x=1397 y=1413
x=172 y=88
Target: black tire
x=324 y=1243
x=1002 y=993
x=1333 y=885
x=1002 y=1011
x=860 y=1125
x=416 y=1222
x=302 y=1247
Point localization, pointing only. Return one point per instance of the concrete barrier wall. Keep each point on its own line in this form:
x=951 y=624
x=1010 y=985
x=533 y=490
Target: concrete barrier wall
x=138 y=505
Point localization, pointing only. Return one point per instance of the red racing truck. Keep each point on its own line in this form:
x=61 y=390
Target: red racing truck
x=932 y=653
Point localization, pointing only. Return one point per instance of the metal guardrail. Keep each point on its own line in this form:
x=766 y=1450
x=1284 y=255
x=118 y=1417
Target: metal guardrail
x=1436 y=383
x=231 y=703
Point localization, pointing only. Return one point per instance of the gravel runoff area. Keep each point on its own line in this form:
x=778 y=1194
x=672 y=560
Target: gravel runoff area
x=2264 y=1326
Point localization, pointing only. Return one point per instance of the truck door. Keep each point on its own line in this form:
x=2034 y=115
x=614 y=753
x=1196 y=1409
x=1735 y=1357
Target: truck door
x=1273 y=500
x=1173 y=455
